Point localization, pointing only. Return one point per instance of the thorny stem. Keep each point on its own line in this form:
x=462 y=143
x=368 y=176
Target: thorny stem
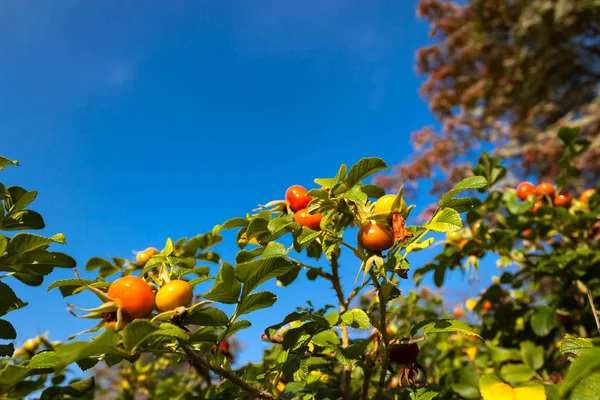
x=383 y=331
x=343 y=307
x=368 y=370
x=198 y=360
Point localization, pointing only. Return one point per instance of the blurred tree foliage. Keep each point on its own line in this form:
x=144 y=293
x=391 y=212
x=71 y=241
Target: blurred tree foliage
x=506 y=74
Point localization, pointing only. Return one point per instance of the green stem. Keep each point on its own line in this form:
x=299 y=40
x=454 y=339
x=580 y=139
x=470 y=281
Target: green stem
x=337 y=286
x=199 y=360
x=368 y=370
x=383 y=331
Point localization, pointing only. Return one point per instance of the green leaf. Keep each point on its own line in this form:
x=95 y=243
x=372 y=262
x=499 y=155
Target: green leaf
x=567 y=135
x=443 y=326
x=24 y=242
x=106 y=343
x=356 y=195
x=423 y=394
x=7 y=350
x=490 y=169
x=254 y=273
x=274 y=250
x=226 y=288
x=5 y=162
x=75 y=389
x=256 y=301
x=170 y=330
x=230 y=224
x=9 y=300
x=235 y=327
x=7 y=331
x=575 y=345
x=416 y=246
x=362 y=169
x=68 y=287
x=543 y=320
x=516 y=373
x=356 y=318
x=373 y=191
x=105 y=268
x=448 y=220
x=587 y=389
x=306 y=238
x=22 y=220
x=586 y=365
x=207 y=317
x=350 y=355
x=460 y=204
x=327 y=183
x=532 y=355
x=3 y=244
x=473 y=182
x=168 y=250
x=326 y=338
x=137 y=332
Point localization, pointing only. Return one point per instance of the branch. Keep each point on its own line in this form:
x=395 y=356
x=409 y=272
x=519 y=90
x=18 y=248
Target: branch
x=383 y=331
x=337 y=286
x=591 y=299
x=199 y=360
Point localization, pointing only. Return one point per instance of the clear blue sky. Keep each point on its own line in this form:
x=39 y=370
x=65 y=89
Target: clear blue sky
x=138 y=121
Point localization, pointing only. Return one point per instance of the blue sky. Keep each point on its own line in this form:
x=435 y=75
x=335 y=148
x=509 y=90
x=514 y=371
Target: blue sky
x=138 y=121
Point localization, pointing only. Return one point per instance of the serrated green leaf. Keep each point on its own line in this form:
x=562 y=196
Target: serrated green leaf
x=230 y=224
x=575 y=345
x=22 y=220
x=447 y=220
x=23 y=201
x=235 y=327
x=254 y=273
x=226 y=288
x=207 y=317
x=7 y=331
x=443 y=326
x=105 y=268
x=356 y=318
x=586 y=365
x=356 y=195
x=5 y=162
x=473 y=182
x=7 y=350
x=9 y=300
x=137 y=332
x=362 y=169
x=256 y=301
x=416 y=246
x=24 y=242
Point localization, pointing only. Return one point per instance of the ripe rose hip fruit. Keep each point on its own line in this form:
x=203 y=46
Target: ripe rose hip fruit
x=563 y=200
x=587 y=195
x=383 y=205
x=133 y=295
x=297 y=198
x=143 y=256
x=375 y=237
x=174 y=294
x=312 y=221
x=545 y=189
x=525 y=189
x=403 y=353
